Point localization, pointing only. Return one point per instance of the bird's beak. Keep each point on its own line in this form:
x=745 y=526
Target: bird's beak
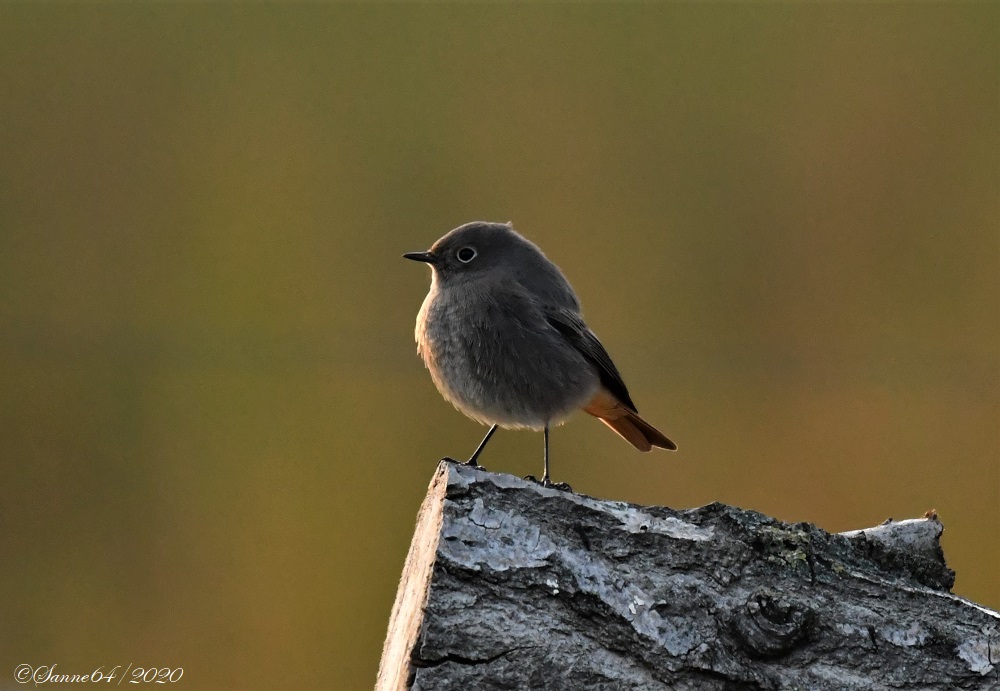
x=426 y=257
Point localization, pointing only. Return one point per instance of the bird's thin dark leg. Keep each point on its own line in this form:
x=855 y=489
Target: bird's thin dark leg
x=546 y=480
x=482 y=445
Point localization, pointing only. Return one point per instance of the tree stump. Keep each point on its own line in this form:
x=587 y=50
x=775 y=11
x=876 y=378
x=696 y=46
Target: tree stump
x=508 y=585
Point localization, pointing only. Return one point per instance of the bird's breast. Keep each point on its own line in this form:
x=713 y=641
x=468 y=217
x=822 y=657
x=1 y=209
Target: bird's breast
x=498 y=361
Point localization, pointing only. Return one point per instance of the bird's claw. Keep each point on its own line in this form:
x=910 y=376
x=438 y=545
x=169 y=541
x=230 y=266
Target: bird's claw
x=547 y=482
x=471 y=463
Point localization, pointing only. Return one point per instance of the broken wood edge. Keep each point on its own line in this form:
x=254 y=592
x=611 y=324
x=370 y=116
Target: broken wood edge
x=414 y=585
x=916 y=536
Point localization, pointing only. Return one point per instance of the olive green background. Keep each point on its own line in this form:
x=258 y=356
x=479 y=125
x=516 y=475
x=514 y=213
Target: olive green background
x=215 y=432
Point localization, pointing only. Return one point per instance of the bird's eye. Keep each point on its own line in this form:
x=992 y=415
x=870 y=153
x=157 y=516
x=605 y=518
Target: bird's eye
x=466 y=254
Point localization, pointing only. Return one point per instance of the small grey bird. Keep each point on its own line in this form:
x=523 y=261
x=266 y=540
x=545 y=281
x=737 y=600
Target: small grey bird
x=502 y=335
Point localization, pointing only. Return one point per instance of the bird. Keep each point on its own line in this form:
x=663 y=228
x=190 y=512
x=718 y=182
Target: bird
x=502 y=334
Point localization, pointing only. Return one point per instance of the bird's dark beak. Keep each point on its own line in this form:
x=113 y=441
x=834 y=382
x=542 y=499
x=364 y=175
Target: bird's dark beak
x=426 y=257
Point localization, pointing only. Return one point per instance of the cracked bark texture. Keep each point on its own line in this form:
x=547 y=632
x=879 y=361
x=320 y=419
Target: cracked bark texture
x=508 y=585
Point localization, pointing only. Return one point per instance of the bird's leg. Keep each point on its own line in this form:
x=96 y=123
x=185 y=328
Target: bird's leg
x=546 y=480
x=482 y=445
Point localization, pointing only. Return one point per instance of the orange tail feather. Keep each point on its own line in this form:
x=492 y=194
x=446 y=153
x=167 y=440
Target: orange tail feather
x=627 y=423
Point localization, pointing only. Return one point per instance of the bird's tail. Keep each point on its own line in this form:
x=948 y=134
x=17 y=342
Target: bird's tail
x=627 y=423
x=639 y=433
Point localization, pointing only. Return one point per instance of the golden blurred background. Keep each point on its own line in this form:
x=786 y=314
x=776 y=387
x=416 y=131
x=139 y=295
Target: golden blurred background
x=782 y=220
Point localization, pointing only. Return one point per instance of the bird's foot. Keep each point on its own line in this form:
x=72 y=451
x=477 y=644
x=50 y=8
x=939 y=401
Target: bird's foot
x=471 y=463
x=547 y=482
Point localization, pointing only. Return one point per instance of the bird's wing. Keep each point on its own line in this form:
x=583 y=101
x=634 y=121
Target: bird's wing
x=576 y=333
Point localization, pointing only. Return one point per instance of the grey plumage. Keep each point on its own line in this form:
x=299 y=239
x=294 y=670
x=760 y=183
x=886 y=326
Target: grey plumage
x=502 y=335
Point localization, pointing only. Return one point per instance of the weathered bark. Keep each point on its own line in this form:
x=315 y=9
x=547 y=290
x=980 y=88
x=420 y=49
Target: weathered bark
x=508 y=585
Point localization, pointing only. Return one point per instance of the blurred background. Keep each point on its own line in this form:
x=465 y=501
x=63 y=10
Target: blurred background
x=215 y=432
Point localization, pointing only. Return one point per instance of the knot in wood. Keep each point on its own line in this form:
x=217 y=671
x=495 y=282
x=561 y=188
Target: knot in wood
x=769 y=625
